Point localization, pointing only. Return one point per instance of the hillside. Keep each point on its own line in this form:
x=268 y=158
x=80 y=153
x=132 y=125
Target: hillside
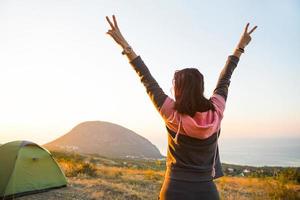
x=106 y=139
x=91 y=177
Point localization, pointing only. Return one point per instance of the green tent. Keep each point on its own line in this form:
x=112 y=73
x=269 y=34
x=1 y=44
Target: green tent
x=26 y=168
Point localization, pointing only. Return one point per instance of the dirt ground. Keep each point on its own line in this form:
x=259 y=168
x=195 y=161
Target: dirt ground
x=230 y=188
x=88 y=189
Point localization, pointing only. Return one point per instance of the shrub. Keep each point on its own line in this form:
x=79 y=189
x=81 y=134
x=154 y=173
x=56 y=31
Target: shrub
x=289 y=174
x=279 y=190
x=151 y=175
x=88 y=169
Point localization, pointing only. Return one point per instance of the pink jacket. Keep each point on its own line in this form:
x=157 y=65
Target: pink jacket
x=201 y=126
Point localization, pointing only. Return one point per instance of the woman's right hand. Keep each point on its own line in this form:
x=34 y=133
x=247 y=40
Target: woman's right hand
x=245 y=38
x=115 y=32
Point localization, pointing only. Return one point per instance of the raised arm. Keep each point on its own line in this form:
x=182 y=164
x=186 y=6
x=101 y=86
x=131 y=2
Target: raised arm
x=154 y=91
x=231 y=63
x=225 y=76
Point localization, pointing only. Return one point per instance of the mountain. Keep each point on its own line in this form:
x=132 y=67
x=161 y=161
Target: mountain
x=106 y=139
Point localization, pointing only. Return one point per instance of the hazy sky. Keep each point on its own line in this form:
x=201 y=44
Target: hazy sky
x=58 y=67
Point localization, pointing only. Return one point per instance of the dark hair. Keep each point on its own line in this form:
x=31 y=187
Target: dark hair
x=189 y=88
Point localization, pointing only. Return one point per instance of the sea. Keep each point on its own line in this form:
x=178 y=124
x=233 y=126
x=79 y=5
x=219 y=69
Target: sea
x=283 y=152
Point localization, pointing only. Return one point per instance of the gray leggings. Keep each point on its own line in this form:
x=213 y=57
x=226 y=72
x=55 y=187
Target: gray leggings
x=185 y=190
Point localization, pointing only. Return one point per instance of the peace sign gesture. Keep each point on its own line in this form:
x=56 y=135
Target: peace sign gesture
x=246 y=38
x=115 y=32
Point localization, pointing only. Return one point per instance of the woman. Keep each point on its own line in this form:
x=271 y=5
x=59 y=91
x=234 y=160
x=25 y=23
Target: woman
x=192 y=122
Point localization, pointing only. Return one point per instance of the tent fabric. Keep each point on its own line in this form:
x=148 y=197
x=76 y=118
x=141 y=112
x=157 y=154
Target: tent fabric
x=26 y=167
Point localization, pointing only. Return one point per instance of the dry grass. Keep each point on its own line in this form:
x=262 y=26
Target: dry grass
x=256 y=188
x=72 y=169
x=93 y=180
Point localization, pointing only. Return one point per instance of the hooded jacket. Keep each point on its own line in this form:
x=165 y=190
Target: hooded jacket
x=193 y=153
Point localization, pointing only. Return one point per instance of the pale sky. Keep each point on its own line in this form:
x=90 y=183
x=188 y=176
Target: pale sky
x=58 y=67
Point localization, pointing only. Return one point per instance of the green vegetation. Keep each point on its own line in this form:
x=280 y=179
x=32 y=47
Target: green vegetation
x=288 y=173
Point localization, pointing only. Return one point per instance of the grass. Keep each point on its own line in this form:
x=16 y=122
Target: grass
x=256 y=188
x=96 y=177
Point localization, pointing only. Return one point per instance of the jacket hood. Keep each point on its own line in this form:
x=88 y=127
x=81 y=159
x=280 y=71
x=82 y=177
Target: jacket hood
x=201 y=126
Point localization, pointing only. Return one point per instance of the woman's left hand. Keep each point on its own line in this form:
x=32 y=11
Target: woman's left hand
x=115 y=32
x=246 y=38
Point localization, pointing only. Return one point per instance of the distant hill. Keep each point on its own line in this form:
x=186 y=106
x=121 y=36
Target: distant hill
x=107 y=139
